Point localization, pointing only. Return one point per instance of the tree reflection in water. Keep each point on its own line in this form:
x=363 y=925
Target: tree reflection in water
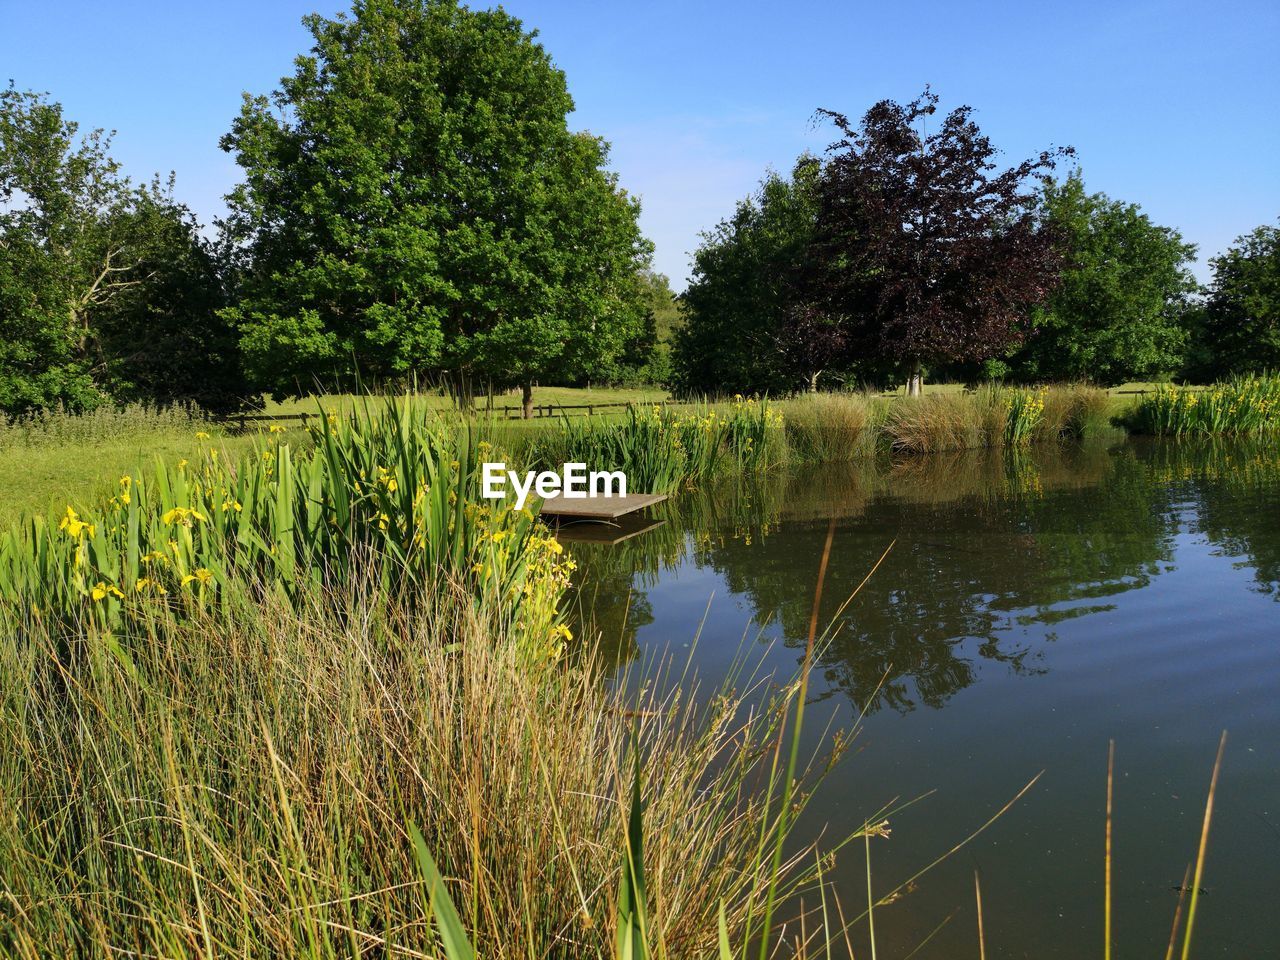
x=992 y=549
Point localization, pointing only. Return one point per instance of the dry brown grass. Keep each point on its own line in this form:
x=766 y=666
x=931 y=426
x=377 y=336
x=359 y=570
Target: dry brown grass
x=1074 y=410
x=832 y=427
x=247 y=790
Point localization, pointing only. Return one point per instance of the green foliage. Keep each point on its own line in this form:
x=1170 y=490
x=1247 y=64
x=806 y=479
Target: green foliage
x=926 y=251
x=1238 y=329
x=662 y=449
x=993 y=416
x=1025 y=411
x=647 y=359
x=57 y=427
x=388 y=492
x=163 y=339
x=1242 y=405
x=414 y=202
x=832 y=427
x=107 y=290
x=738 y=304
x=1117 y=314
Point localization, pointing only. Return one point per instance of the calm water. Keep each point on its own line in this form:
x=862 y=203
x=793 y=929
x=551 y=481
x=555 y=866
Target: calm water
x=1031 y=609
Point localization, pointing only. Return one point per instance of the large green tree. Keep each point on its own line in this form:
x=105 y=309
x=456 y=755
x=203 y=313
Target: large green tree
x=668 y=320
x=107 y=291
x=1117 y=313
x=1238 y=328
x=415 y=203
x=747 y=278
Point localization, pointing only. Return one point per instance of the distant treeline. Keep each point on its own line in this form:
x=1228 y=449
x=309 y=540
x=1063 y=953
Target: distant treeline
x=898 y=254
x=415 y=208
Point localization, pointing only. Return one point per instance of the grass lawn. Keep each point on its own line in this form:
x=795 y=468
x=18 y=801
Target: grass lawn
x=61 y=462
x=40 y=478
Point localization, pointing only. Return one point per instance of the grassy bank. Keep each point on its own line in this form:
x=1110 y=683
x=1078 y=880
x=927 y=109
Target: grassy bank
x=230 y=692
x=48 y=460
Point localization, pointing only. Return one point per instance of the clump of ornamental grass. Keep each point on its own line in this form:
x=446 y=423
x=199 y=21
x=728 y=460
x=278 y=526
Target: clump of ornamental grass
x=1242 y=405
x=59 y=426
x=1074 y=410
x=250 y=787
x=831 y=427
x=993 y=416
x=936 y=421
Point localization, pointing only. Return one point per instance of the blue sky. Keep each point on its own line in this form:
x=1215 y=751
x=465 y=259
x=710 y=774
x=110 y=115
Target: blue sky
x=1170 y=105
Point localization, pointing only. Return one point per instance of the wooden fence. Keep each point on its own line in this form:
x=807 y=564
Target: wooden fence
x=243 y=421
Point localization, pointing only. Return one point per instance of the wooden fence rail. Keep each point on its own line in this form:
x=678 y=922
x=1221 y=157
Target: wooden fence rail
x=242 y=421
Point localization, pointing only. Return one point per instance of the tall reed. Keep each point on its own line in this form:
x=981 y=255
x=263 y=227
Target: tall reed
x=1074 y=410
x=939 y=421
x=832 y=427
x=663 y=448
x=245 y=786
x=1242 y=405
x=993 y=416
x=394 y=486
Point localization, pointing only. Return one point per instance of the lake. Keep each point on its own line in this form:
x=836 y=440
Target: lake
x=1034 y=605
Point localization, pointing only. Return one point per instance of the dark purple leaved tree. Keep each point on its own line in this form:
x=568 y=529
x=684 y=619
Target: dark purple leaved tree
x=810 y=343
x=926 y=250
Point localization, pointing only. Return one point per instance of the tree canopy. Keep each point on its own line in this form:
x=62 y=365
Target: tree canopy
x=1117 y=314
x=744 y=289
x=415 y=203
x=926 y=251
x=1238 y=329
x=900 y=249
x=107 y=290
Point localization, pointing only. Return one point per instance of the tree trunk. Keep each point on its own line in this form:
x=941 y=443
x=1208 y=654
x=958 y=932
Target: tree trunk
x=813 y=381
x=915 y=382
x=462 y=390
x=526 y=396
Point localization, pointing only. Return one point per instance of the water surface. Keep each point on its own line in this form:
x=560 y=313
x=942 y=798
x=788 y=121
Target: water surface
x=1033 y=607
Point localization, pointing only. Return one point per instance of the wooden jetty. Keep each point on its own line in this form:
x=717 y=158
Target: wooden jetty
x=599 y=509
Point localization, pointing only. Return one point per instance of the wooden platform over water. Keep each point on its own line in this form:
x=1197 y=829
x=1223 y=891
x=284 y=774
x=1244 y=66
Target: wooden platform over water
x=598 y=508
